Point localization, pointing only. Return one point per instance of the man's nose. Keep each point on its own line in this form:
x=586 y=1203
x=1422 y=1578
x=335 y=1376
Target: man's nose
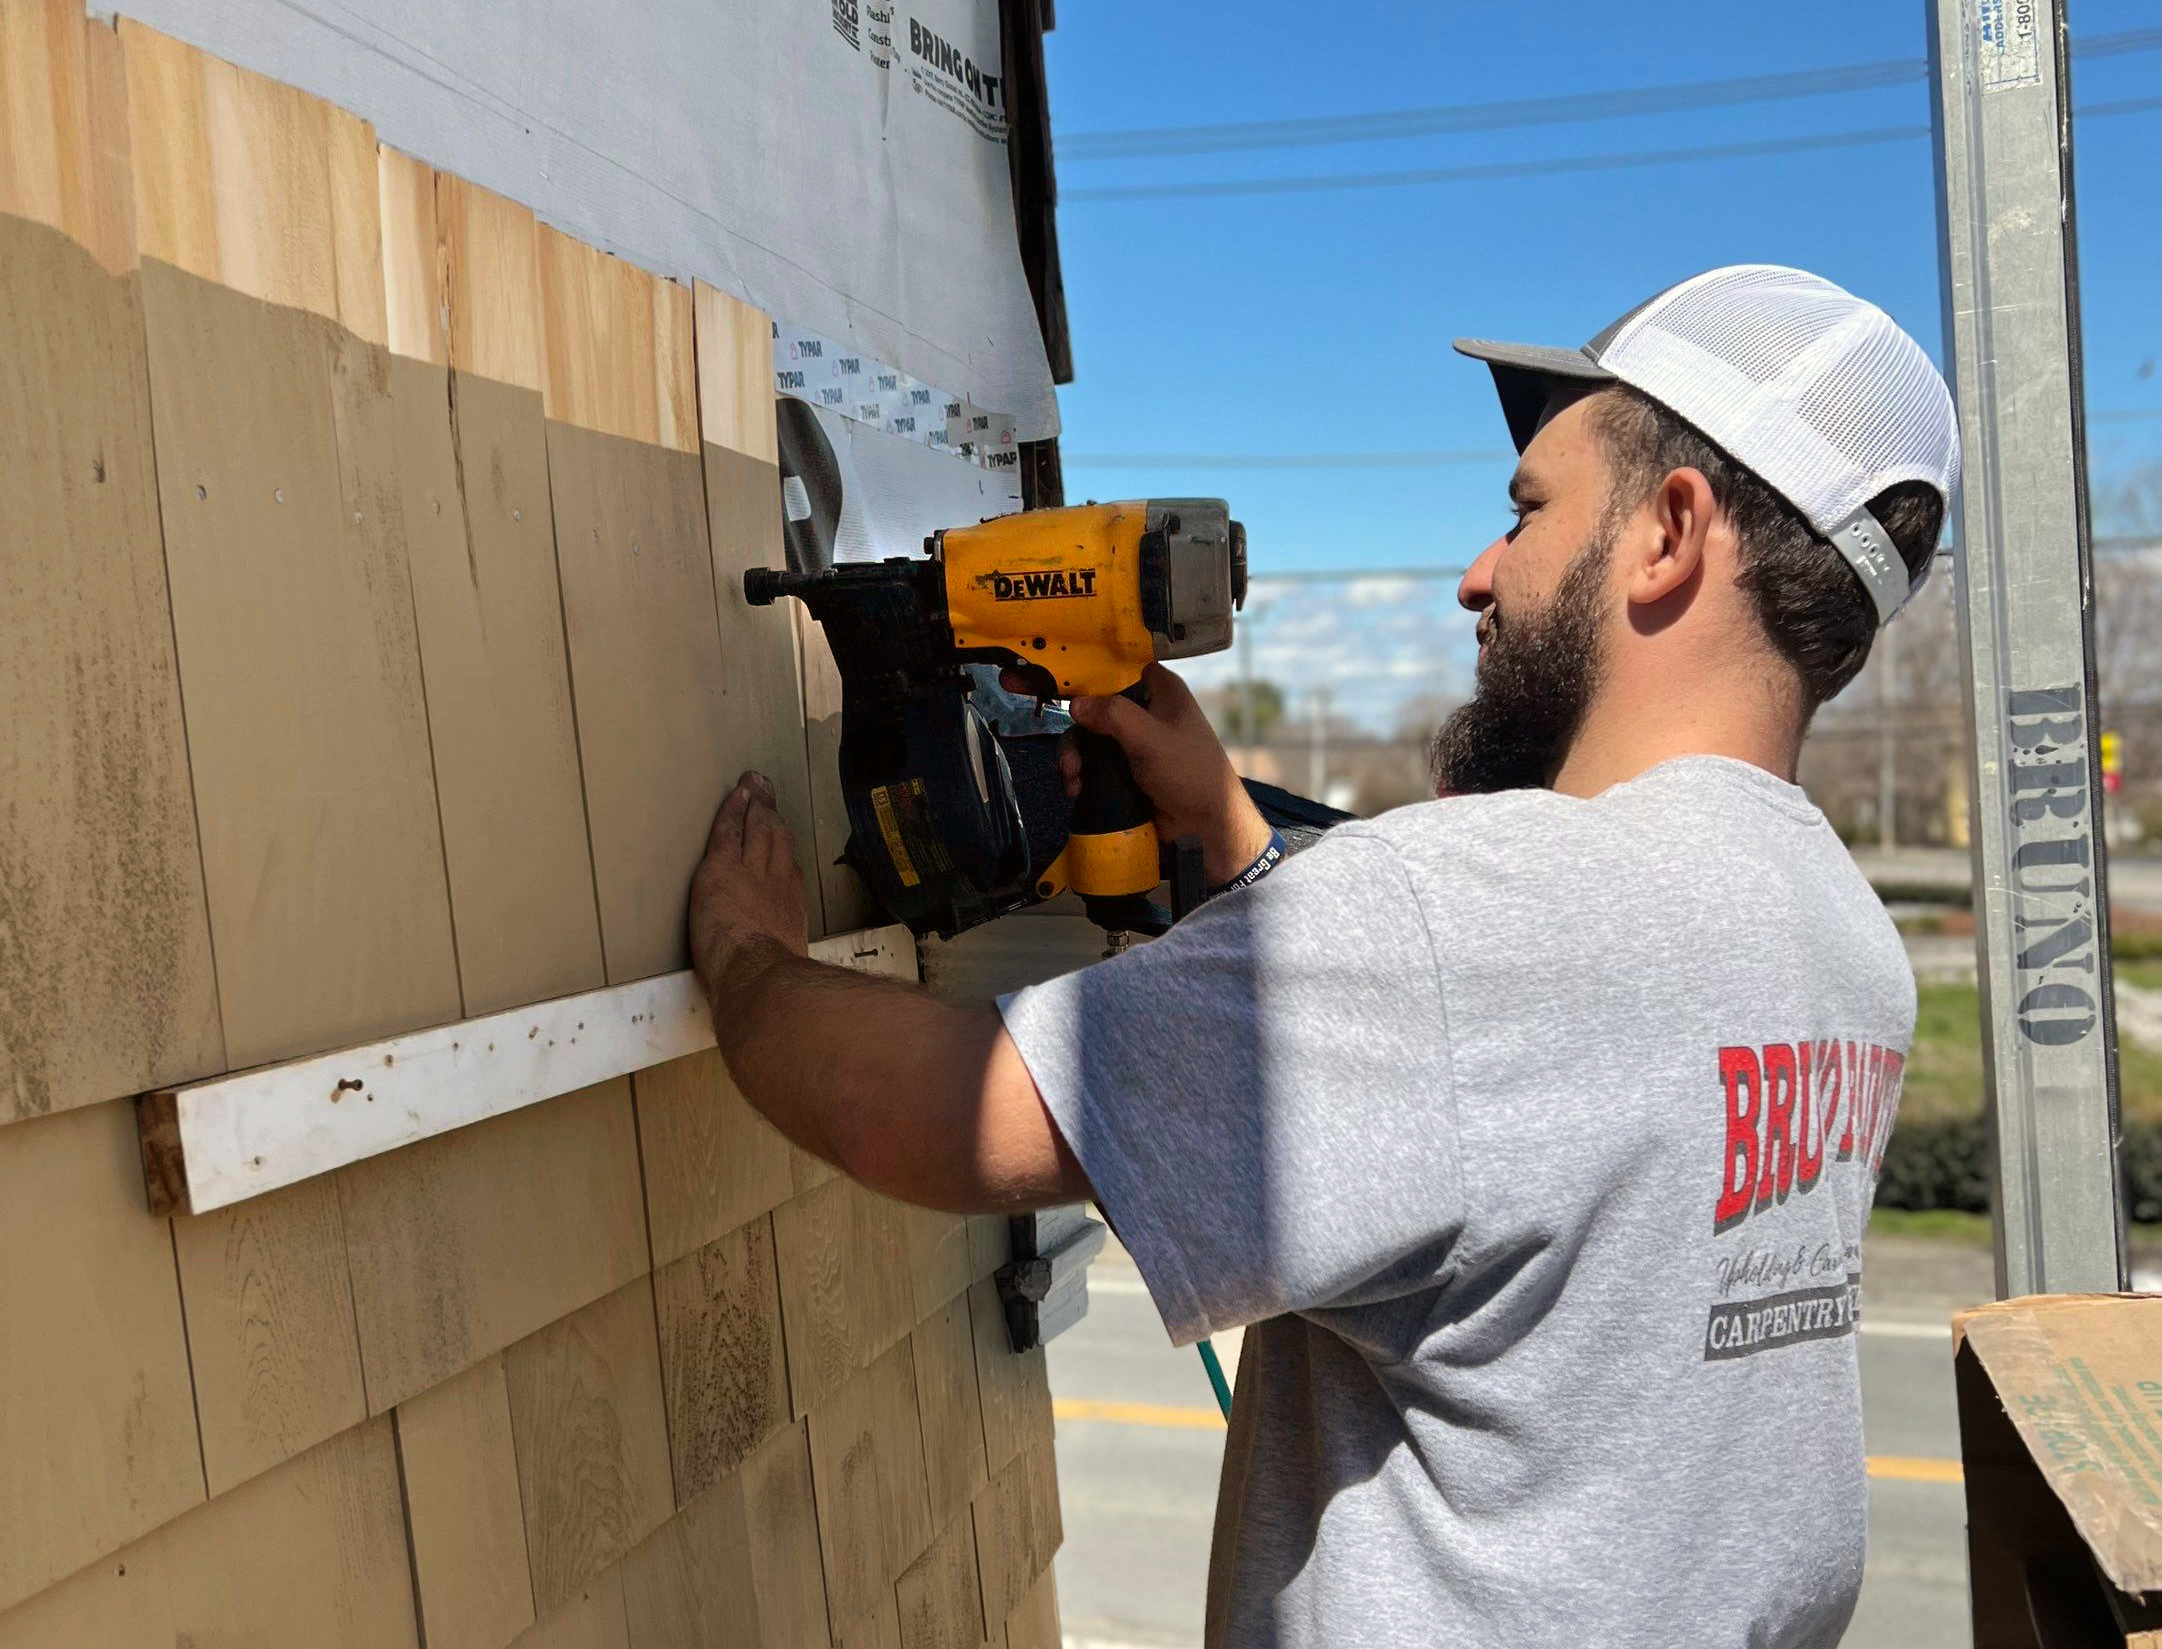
x=1476 y=592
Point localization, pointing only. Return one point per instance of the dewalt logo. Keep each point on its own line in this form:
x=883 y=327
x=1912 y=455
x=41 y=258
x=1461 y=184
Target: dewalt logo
x=1077 y=584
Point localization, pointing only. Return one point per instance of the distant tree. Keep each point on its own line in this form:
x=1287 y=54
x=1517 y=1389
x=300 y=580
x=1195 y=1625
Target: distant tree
x=1397 y=786
x=2129 y=503
x=2128 y=590
x=1911 y=700
x=1418 y=717
x=1268 y=708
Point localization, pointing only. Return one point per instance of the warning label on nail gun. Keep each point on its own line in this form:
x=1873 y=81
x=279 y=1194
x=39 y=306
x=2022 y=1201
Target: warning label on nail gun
x=909 y=838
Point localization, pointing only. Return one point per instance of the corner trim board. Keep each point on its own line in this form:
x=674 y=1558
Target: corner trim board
x=208 y=1145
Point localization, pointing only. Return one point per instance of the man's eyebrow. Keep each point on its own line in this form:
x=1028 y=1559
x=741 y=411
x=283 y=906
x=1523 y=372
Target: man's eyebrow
x=1521 y=484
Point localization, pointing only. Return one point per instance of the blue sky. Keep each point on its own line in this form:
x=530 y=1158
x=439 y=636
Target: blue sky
x=1301 y=323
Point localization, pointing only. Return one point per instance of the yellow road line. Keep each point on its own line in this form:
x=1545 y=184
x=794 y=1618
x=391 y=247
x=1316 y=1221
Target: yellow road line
x=1899 y=1468
x=1903 y=1468
x=1137 y=1414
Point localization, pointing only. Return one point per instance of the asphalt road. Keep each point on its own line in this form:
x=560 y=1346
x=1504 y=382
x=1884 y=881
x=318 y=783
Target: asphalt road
x=1139 y=1450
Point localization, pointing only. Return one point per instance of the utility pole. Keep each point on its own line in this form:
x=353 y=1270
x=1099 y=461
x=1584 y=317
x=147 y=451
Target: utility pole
x=2025 y=587
x=1317 y=747
x=1246 y=687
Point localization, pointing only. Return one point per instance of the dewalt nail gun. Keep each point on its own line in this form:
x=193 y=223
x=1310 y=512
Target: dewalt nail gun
x=1080 y=600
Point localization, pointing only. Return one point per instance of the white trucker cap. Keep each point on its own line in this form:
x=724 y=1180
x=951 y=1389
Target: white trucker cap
x=1818 y=394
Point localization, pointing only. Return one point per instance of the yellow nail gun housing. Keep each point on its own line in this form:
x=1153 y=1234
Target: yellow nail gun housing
x=1092 y=594
x=1081 y=600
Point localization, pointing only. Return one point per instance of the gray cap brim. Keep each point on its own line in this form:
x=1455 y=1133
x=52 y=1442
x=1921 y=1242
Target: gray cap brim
x=1526 y=375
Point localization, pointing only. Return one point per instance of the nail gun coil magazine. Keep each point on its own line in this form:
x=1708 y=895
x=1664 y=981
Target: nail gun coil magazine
x=935 y=826
x=935 y=823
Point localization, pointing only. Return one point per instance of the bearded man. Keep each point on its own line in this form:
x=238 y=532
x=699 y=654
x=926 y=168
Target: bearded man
x=1533 y=1129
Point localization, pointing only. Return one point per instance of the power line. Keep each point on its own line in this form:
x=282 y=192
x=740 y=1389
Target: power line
x=2113 y=547
x=2118 y=106
x=1435 y=457
x=1313 y=130
x=2118 y=44
x=1309 y=130
x=1269 y=460
x=1349 y=575
x=1334 y=182
x=1497 y=169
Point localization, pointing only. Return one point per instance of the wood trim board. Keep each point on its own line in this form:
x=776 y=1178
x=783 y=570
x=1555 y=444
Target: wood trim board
x=211 y=1144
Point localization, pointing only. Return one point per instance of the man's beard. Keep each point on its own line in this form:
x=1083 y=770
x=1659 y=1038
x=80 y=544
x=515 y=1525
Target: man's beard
x=1537 y=675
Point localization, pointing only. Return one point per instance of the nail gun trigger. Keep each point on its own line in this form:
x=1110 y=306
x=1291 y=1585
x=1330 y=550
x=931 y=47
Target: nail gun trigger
x=1036 y=681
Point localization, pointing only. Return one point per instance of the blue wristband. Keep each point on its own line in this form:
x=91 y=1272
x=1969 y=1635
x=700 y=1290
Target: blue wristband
x=1270 y=857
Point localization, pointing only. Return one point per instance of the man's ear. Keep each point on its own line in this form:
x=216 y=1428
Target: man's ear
x=1675 y=527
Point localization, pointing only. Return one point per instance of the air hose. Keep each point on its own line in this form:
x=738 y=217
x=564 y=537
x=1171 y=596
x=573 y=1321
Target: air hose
x=1209 y=1361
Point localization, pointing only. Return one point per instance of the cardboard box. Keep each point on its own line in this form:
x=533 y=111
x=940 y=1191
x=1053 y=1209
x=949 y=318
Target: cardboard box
x=2060 y=1424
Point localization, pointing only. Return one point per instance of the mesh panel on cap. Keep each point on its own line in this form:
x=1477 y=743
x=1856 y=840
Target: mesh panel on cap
x=1755 y=320
x=1818 y=393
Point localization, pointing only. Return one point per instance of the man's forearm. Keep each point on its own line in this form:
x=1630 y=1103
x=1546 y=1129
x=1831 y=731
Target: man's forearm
x=878 y=1077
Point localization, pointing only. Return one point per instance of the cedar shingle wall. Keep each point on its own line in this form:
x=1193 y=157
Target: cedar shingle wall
x=373 y=656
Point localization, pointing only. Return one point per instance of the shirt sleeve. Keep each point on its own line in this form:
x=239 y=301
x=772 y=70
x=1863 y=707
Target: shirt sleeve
x=1261 y=1097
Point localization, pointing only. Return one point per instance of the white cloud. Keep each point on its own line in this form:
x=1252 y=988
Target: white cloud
x=1373 y=644
x=1380 y=592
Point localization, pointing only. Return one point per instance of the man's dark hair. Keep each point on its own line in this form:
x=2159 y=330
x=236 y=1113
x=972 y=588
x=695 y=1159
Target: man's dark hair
x=1810 y=602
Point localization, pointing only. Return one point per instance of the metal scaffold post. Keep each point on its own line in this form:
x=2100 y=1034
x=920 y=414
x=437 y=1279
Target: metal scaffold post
x=2026 y=590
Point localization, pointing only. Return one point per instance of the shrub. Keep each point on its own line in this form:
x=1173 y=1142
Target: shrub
x=1937 y=1162
x=1893 y=891
x=1943 y=1162
x=2141 y=1158
x=2134 y=944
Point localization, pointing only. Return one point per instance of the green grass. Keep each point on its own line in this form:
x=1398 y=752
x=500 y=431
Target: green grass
x=1947 y=1223
x=2135 y=939
x=2146 y=975
x=1944 y=1071
x=1953 y=1225
x=1937 y=1160
x=1944 y=1068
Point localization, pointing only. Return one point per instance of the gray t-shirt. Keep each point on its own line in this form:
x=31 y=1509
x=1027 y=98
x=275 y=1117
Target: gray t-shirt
x=1536 y=1136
